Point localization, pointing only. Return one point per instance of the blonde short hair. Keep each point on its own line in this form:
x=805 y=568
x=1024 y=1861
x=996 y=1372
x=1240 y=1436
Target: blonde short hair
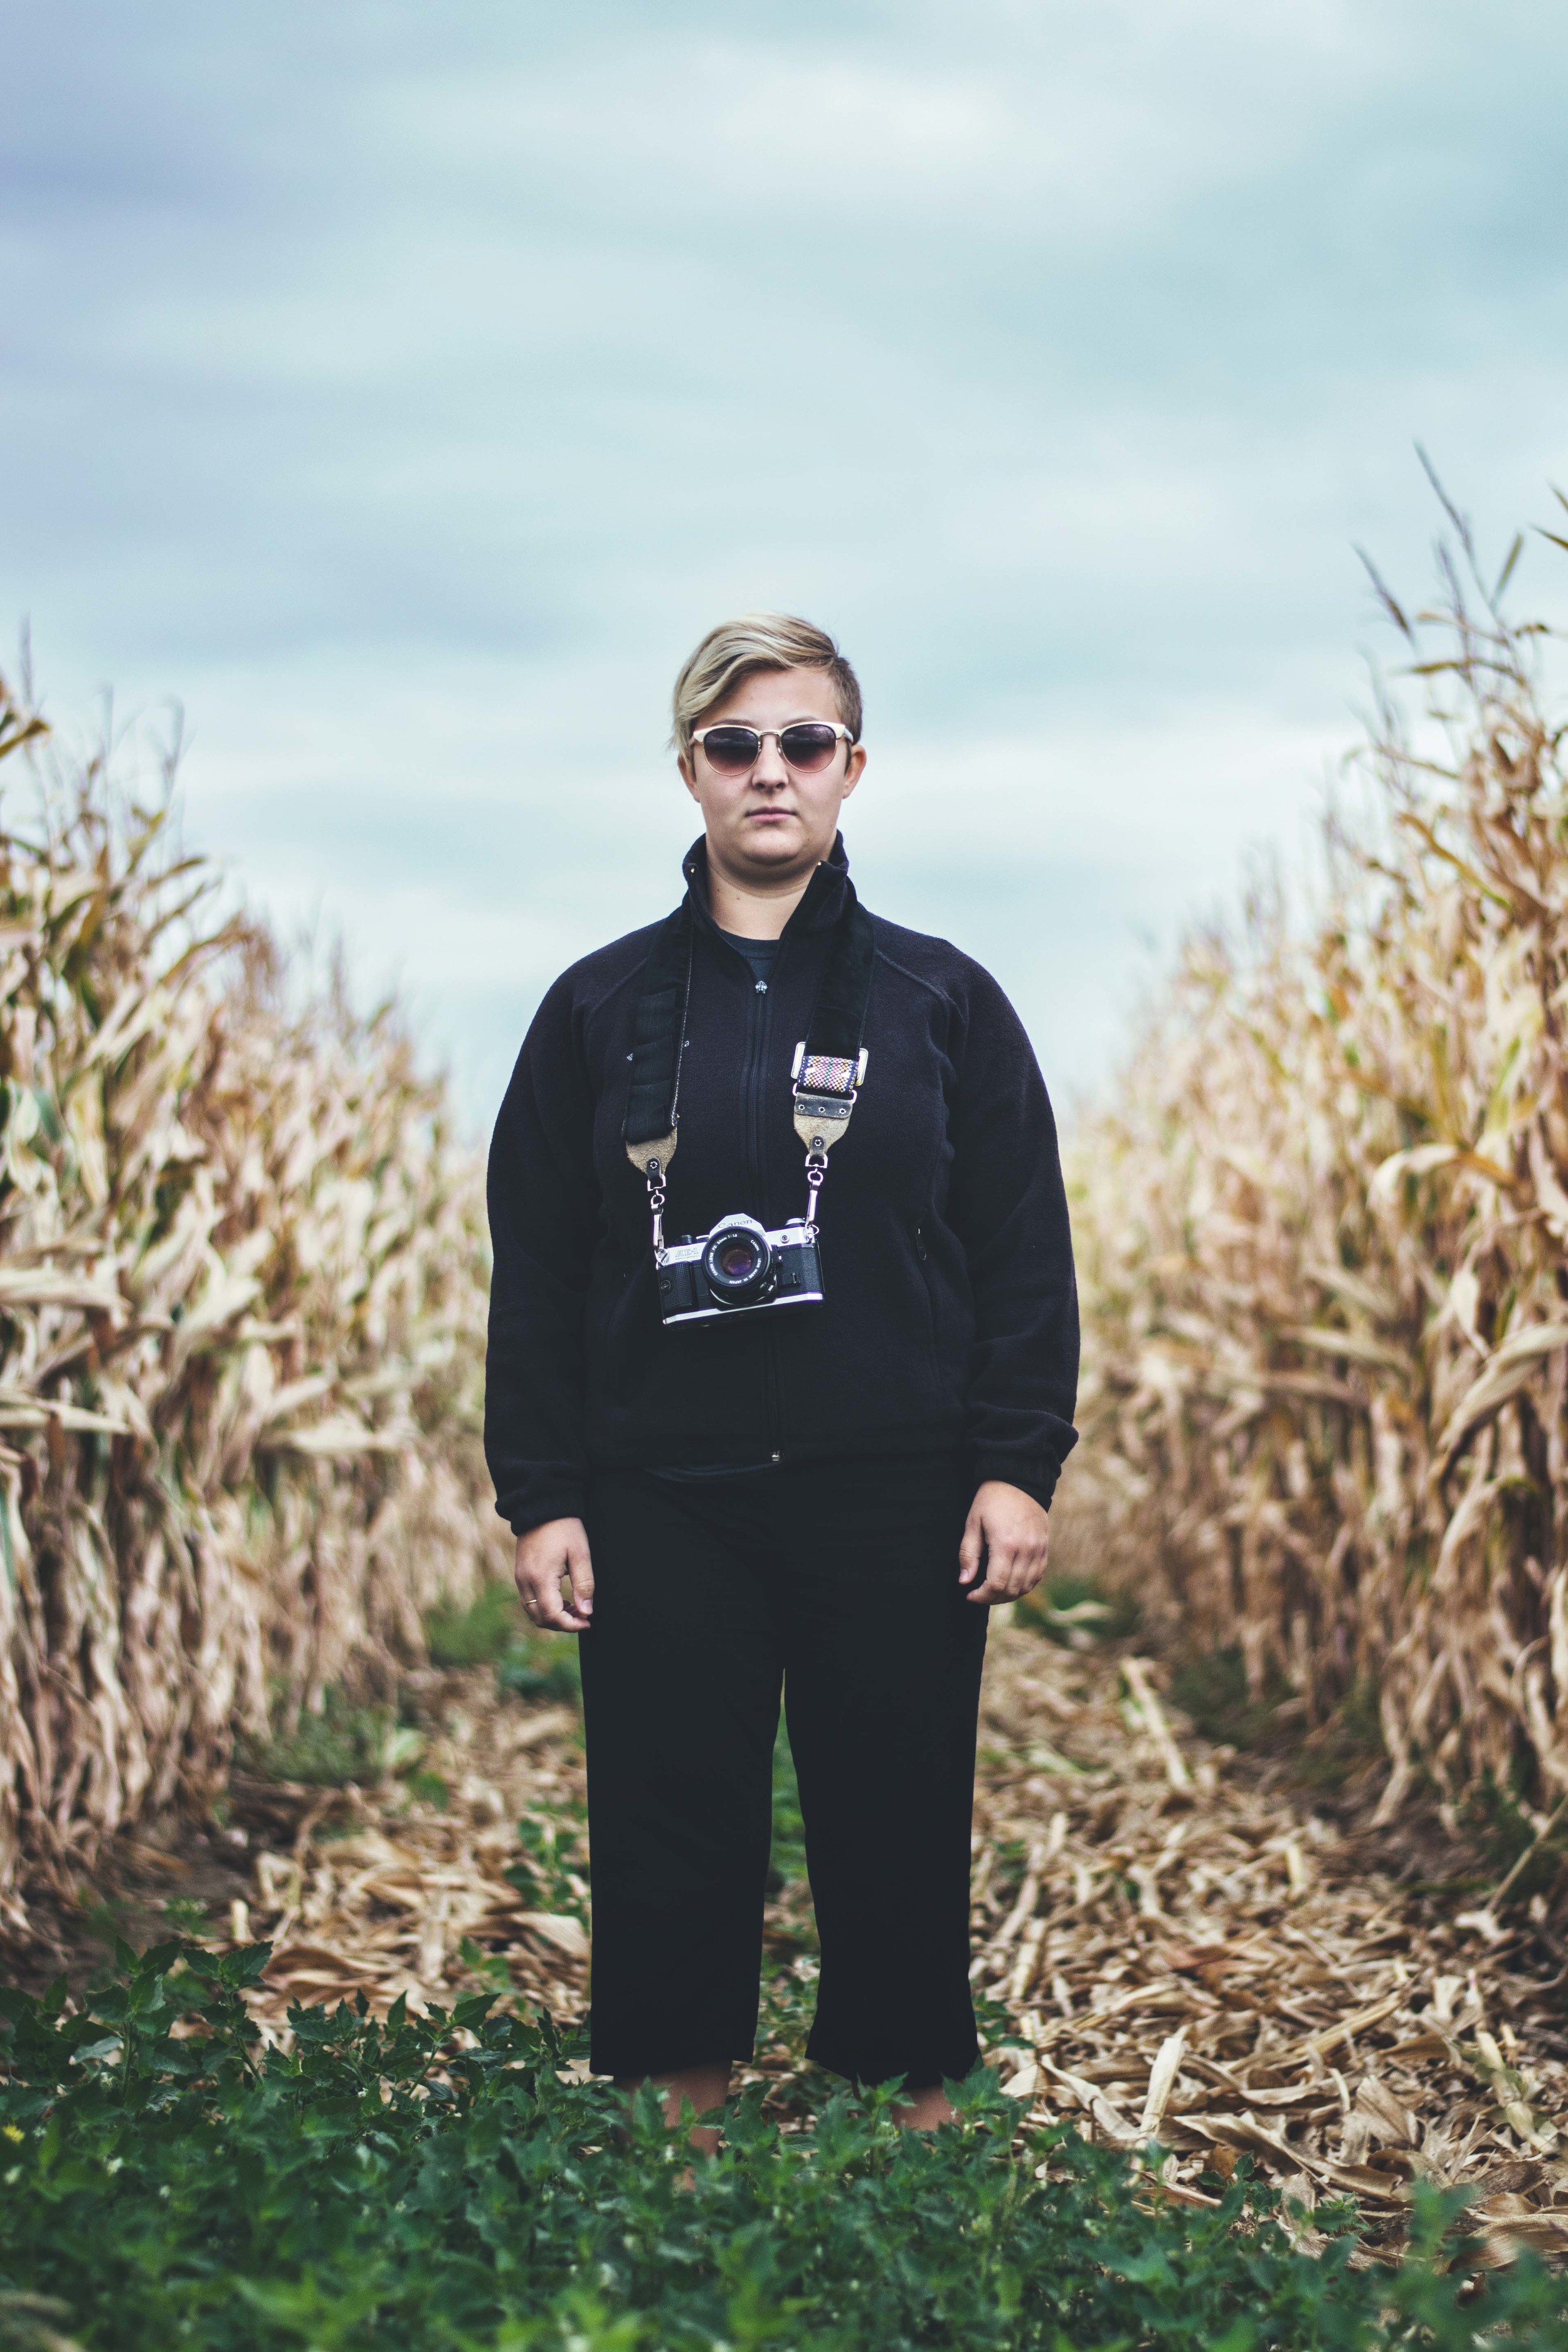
x=738 y=649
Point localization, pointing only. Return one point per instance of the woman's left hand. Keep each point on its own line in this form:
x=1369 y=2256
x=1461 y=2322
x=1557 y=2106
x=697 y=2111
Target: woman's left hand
x=1012 y=1533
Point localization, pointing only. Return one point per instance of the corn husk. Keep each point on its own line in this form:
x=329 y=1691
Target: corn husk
x=1323 y=1238
x=242 y=1271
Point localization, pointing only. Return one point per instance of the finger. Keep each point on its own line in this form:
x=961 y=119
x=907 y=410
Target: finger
x=1033 y=1573
x=1004 y=1572
x=551 y=1612
x=970 y=1549
x=989 y=1589
x=540 y=1588
x=1017 y=1570
x=580 y=1568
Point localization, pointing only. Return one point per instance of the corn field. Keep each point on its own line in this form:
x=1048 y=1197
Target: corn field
x=242 y=1273
x=1323 y=1233
x=1322 y=1229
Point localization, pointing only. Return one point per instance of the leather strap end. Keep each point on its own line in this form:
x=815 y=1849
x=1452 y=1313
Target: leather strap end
x=660 y=1147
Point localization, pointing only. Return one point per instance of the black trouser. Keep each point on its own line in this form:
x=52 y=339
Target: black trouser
x=840 y=1580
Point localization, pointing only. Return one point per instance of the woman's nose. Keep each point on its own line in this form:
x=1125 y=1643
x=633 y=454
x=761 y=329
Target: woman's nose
x=769 y=769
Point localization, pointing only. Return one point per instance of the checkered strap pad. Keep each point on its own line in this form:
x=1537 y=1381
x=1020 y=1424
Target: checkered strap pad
x=823 y=1073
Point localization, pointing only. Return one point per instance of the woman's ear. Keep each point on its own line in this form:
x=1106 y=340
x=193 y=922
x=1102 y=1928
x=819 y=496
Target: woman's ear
x=853 y=768
x=683 y=763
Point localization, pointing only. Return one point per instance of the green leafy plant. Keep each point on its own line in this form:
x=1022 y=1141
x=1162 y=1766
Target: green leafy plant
x=548 y=1873
x=339 y=1744
x=1078 y=1611
x=544 y=1666
x=1210 y=1687
x=442 y=2182
x=431 y=1789
x=786 y=1860
x=475 y=1636
x=493 y=1632
x=182 y=1917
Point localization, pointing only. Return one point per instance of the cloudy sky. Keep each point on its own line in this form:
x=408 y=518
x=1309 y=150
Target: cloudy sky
x=403 y=391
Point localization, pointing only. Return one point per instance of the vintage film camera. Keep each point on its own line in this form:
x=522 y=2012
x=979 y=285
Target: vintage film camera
x=739 y=1269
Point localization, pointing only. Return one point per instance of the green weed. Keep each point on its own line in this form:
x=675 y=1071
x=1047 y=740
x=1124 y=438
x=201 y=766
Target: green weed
x=339 y=1744
x=1078 y=1611
x=544 y=1666
x=475 y=1636
x=786 y=1860
x=435 y=2185
x=493 y=1632
x=1347 y=1746
x=1211 y=1690
x=431 y=1789
x=549 y=1872
x=1496 y=1819
x=182 y=1917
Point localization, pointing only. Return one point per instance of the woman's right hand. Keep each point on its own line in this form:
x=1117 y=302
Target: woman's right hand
x=548 y=1560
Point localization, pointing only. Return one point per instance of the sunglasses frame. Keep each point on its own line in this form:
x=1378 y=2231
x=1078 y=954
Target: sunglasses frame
x=700 y=734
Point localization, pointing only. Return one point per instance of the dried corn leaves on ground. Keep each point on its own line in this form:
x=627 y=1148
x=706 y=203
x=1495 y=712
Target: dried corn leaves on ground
x=1162 y=1949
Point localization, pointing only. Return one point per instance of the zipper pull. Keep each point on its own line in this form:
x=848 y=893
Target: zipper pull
x=761 y=988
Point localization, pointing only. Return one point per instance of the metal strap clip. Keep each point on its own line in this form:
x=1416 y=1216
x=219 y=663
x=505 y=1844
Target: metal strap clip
x=826 y=1091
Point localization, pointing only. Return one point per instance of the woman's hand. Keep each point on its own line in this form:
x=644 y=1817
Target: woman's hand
x=1012 y=1533
x=548 y=1559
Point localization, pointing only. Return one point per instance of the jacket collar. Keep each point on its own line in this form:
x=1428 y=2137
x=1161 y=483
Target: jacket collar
x=827 y=894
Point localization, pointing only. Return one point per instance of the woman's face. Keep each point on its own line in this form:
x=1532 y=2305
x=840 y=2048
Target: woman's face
x=773 y=823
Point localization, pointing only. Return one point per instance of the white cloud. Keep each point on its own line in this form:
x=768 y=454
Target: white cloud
x=406 y=393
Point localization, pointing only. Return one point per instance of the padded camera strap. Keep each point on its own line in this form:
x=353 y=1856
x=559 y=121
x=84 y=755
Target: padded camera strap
x=653 y=1107
x=829 y=1061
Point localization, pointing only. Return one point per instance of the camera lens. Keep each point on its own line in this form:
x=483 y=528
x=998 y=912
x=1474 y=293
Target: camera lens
x=738 y=1261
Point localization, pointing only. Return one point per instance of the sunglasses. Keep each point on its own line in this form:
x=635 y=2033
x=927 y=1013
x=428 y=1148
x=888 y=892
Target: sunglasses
x=808 y=745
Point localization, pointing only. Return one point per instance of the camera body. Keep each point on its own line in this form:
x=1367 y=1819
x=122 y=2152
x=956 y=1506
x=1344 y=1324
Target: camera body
x=739 y=1269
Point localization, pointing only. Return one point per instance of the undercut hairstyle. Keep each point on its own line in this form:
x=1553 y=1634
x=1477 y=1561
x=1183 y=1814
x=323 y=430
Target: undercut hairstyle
x=738 y=649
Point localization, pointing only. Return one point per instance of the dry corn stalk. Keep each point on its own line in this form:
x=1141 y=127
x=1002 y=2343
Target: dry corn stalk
x=1324 y=1232
x=242 y=1272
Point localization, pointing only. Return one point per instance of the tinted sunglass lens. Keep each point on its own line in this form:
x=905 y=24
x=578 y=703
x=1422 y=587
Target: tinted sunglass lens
x=809 y=745
x=732 y=748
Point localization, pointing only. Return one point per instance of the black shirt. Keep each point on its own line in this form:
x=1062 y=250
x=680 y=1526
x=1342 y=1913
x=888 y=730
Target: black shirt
x=760 y=954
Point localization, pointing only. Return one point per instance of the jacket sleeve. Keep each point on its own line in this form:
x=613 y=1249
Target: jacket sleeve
x=1008 y=1206
x=543 y=1211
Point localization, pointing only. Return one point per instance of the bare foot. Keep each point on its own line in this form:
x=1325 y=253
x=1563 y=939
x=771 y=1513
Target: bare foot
x=923 y=2110
x=705 y=2086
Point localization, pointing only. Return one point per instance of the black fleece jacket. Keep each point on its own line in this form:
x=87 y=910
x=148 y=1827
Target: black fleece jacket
x=950 y=1314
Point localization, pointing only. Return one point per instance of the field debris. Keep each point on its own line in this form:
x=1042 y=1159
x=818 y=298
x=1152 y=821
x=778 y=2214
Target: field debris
x=1185 y=1956
x=1162 y=1949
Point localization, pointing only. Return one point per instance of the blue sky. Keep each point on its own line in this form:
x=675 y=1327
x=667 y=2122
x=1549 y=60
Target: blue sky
x=405 y=391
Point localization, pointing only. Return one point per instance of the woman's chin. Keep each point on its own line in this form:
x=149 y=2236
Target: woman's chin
x=772 y=845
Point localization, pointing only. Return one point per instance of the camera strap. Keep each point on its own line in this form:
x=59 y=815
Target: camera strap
x=827 y=1071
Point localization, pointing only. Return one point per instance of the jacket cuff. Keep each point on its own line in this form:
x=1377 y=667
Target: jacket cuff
x=540 y=1505
x=1036 y=1475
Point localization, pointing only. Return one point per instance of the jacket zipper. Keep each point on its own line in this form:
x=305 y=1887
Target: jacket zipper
x=756 y=1074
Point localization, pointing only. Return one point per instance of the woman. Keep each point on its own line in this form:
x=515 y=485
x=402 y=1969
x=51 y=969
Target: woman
x=812 y=1460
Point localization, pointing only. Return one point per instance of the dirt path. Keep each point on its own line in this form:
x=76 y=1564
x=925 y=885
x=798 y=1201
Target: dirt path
x=1160 y=1949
